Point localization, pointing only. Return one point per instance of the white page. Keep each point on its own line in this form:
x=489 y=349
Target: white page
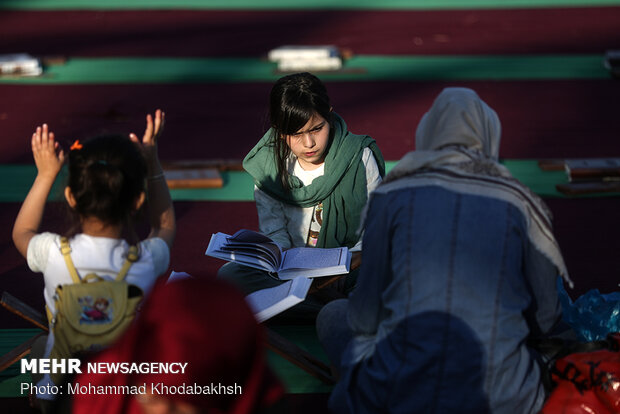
x=259 y=240
x=341 y=267
x=220 y=239
x=313 y=258
x=267 y=303
x=217 y=240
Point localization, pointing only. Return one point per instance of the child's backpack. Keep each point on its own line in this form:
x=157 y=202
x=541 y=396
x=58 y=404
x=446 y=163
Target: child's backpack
x=92 y=312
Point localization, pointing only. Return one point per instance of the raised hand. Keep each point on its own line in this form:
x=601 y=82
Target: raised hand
x=152 y=133
x=47 y=155
x=160 y=208
x=48 y=158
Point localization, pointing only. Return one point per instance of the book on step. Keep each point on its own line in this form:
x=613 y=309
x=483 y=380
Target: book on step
x=20 y=64
x=593 y=169
x=295 y=52
x=253 y=249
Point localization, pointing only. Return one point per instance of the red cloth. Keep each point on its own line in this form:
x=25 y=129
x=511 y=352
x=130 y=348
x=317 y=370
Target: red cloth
x=587 y=382
x=203 y=322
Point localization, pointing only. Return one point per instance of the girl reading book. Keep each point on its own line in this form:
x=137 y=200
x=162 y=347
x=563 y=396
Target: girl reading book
x=312 y=176
x=109 y=178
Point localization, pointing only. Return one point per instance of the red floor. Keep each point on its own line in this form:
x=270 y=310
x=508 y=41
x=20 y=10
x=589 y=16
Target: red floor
x=540 y=119
x=254 y=33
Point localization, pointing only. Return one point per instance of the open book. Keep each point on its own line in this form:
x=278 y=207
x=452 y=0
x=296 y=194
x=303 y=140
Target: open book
x=253 y=249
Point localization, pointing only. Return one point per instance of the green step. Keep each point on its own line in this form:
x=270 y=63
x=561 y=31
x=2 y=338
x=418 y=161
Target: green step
x=9 y=339
x=361 y=68
x=295 y=4
x=239 y=186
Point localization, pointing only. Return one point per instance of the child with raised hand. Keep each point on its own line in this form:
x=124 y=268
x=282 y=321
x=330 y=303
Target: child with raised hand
x=109 y=179
x=312 y=176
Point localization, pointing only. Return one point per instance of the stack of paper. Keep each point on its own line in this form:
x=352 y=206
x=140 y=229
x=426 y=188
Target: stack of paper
x=20 y=64
x=306 y=58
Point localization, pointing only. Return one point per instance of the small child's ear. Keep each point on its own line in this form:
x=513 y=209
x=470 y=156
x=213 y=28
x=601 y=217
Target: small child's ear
x=139 y=201
x=69 y=197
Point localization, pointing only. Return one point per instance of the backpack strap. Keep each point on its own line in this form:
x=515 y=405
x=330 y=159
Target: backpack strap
x=65 y=249
x=132 y=256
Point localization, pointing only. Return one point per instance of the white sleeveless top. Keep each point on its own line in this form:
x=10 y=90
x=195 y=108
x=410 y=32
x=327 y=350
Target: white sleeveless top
x=101 y=255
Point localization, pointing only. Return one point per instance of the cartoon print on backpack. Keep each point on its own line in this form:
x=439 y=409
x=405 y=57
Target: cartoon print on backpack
x=98 y=312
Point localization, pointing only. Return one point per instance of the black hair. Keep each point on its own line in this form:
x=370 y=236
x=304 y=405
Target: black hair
x=106 y=177
x=293 y=101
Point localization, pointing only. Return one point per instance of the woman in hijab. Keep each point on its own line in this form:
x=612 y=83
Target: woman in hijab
x=458 y=273
x=202 y=323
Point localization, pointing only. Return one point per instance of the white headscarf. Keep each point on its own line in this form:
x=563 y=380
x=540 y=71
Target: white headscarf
x=459 y=128
x=457 y=147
